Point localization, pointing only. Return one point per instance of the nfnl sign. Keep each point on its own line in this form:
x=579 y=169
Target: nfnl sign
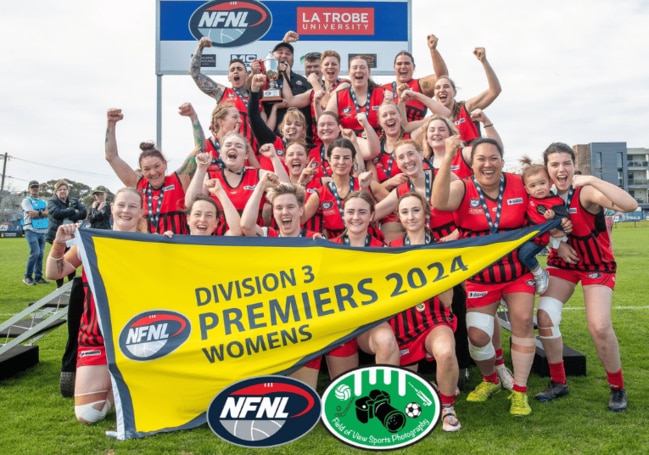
x=254 y=27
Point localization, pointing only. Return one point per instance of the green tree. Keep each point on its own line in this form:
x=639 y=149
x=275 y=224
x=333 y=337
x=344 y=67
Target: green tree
x=77 y=189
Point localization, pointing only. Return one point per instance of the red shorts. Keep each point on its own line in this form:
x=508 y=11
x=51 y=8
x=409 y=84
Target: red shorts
x=414 y=350
x=344 y=350
x=483 y=294
x=586 y=278
x=88 y=356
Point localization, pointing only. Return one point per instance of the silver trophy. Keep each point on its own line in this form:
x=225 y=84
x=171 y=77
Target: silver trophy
x=272 y=93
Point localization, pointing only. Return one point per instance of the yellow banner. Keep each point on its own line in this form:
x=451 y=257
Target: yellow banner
x=185 y=317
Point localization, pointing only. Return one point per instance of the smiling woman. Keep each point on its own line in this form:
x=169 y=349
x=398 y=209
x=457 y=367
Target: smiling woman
x=492 y=201
x=164 y=195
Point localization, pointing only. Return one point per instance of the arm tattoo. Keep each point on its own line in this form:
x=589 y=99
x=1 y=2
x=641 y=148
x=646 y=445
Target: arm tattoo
x=204 y=83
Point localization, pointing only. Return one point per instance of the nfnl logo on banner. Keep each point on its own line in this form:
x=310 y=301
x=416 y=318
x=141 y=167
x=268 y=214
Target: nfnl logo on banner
x=380 y=407
x=254 y=27
x=264 y=411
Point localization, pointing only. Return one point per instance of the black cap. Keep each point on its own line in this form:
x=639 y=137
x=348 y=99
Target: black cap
x=286 y=45
x=34 y=183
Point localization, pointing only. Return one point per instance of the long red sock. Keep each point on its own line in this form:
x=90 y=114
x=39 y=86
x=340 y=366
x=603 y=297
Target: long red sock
x=616 y=380
x=448 y=401
x=557 y=372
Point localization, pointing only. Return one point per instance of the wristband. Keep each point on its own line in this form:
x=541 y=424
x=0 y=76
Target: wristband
x=488 y=126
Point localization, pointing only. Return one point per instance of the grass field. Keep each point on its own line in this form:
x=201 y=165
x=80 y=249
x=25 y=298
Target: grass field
x=37 y=420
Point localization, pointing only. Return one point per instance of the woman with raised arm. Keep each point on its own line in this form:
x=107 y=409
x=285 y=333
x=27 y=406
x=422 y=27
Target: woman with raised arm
x=287 y=201
x=237 y=94
x=236 y=179
x=490 y=202
x=445 y=92
x=329 y=199
x=225 y=119
x=163 y=194
x=416 y=178
x=435 y=131
x=587 y=256
x=329 y=129
x=204 y=214
x=322 y=90
x=363 y=96
x=425 y=331
x=93 y=391
x=404 y=68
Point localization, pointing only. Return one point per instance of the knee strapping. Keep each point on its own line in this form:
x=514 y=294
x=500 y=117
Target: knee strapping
x=485 y=323
x=485 y=352
x=480 y=321
x=88 y=413
x=552 y=307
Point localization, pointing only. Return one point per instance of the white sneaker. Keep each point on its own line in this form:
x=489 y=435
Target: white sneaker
x=506 y=377
x=541 y=281
x=450 y=421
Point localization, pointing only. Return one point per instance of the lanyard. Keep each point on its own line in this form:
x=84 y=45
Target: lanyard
x=367 y=102
x=428 y=189
x=217 y=159
x=570 y=194
x=493 y=226
x=324 y=164
x=387 y=169
x=394 y=90
x=299 y=234
x=244 y=99
x=368 y=239
x=339 y=202
x=332 y=88
x=154 y=218
x=427 y=240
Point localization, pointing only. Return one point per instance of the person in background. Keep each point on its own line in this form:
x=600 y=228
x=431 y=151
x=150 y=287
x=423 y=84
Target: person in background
x=312 y=64
x=63 y=209
x=99 y=213
x=35 y=226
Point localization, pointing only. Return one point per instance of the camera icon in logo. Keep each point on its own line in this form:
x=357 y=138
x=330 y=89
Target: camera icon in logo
x=377 y=405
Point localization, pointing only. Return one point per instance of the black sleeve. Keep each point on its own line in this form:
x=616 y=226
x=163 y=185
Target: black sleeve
x=59 y=211
x=78 y=205
x=261 y=131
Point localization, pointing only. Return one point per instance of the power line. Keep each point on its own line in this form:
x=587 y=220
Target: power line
x=51 y=166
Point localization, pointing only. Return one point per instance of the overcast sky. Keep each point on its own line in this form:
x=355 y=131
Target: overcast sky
x=572 y=71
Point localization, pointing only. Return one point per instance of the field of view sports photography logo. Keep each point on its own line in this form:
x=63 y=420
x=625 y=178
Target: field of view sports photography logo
x=153 y=334
x=380 y=407
x=229 y=24
x=264 y=411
